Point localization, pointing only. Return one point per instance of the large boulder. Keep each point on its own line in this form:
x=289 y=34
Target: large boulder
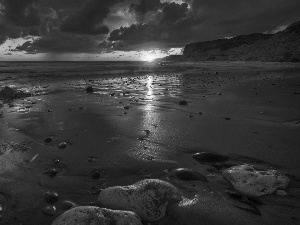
x=86 y=215
x=147 y=198
x=9 y=93
x=250 y=182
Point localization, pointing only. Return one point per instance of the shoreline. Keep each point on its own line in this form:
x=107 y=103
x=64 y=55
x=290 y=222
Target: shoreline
x=222 y=115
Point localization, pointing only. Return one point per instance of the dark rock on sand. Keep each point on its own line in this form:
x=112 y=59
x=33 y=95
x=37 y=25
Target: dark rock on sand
x=9 y=93
x=209 y=157
x=51 y=197
x=84 y=215
x=147 y=198
x=187 y=175
x=52 y=172
x=50 y=210
x=183 y=102
x=48 y=139
x=89 y=89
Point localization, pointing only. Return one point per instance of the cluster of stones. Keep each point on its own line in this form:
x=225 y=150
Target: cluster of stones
x=147 y=200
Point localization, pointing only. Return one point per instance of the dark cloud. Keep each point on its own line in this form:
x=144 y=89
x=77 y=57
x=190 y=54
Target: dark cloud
x=23 y=13
x=145 y=6
x=174 y=25
x=80 y=25
x=60 y=43
x=89 y=20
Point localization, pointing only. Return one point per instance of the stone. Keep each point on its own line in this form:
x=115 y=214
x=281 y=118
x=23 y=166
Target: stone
x=183 y=102
x=126 y=107
x=51 y=197
x=187 y=175
x=89 y=89
x=148 y=198
x=62 y=145
x=48 y=139
x=250 y=182
x=85 y=215
x=52 y=172
x=209 y=157
x=50 y=210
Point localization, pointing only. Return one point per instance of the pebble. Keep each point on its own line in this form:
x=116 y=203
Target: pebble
x=48 y=139
x=52 y=172
x=51 y=197
x=281 y=193
x=89 y=89
x=183 y=102
x=187 y=175
x=62 y=145
x=50 y=210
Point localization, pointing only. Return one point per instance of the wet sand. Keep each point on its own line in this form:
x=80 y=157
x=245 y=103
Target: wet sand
x=248 y=111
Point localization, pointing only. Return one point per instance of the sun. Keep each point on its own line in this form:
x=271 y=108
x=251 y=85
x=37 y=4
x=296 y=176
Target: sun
x=149 y=57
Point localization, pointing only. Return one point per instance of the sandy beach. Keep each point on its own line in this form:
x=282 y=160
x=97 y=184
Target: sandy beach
x=133 y=127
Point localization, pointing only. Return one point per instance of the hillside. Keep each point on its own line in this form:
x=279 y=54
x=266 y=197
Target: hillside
x=283 y=46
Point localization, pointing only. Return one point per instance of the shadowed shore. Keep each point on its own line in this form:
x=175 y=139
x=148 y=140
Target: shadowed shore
x=140 y=122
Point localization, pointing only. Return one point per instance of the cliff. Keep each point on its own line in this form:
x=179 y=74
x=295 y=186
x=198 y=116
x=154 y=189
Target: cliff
x=283 y=46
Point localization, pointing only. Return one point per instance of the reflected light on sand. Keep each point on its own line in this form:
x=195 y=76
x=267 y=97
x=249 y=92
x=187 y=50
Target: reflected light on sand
x=149 y=87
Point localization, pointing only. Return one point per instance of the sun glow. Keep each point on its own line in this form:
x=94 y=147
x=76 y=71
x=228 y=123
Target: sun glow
x=149 y=57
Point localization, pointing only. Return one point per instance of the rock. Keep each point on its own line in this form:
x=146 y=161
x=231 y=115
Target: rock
x=89 y=89
x=48 y=139
x=209 y=157
x=66 y=205
x=126 y=107
x=183 y=102
x=51 y=197
x=281 y=192
x=148 y=198
x=50 y=210
x=62 y=145
x=85 y=215
x=250 y=182
x=187 y=175
x=9 y=93
x=52 y=172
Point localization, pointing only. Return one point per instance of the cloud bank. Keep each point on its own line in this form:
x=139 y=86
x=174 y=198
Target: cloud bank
x=95 y=26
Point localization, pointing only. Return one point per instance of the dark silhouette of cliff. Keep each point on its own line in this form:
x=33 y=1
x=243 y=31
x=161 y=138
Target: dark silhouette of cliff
x=283 y=46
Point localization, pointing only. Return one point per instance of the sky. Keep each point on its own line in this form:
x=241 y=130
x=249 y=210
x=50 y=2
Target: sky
x=130 y=29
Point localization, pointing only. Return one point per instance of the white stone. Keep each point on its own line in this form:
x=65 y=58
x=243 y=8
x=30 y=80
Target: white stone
x=147 y=198
x=89 y=215
x=248 y=181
